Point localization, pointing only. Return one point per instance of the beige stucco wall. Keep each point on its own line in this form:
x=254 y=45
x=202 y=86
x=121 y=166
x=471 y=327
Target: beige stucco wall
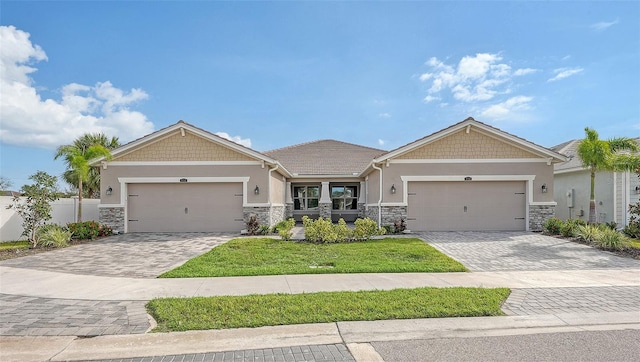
x=188 y=148
x=580 y=182
x=392 y=176
x=277 y=188
x=257 y=176
x=472 y=145
x=373 y=187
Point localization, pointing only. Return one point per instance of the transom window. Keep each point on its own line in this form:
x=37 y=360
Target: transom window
x=306 y=197
x=344 y=197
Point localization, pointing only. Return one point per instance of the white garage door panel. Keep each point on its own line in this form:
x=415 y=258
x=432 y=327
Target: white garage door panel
x=195 y=207
x=458 y=206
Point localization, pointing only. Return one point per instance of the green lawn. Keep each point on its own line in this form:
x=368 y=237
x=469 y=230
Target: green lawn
x=182 y=314
x=266 y=256
x=14 y=245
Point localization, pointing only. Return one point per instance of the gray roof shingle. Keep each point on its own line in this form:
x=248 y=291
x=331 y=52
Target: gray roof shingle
x=325 y=157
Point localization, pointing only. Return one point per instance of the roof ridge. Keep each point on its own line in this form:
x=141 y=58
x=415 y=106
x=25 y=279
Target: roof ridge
x=322 y=140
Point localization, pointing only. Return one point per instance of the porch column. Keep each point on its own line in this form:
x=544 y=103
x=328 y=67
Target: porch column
x=361 y=200
x=325 y=201
x=288 y=201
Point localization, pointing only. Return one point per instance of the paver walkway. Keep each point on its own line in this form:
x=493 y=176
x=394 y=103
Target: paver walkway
x=572 y=300
x=317 y=353
x=493 y=251
x=30 y=316
x=134 y=255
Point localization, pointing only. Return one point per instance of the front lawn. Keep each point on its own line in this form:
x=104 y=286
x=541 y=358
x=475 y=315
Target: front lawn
x=14 y=245
x=182 y=314
x=265 y=256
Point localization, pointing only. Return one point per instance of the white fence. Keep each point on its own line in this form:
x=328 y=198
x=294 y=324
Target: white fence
x=64 y=212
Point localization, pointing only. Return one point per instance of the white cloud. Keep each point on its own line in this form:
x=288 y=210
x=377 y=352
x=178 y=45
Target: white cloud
x=507 y=108
x=237 y=139
x=566 y=57
x=430 y=98
x=562 y=73
x=524 y=71
x=604 y=25
x=29 y=120
x=381 y=142
x=384 y=115
x=475 y=78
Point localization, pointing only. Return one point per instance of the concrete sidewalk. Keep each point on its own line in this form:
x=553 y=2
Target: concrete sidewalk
x=355 y=335
x=47 y=284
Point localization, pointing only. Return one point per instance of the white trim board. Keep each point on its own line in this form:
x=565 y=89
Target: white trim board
x=183 y=163
x=470 y=160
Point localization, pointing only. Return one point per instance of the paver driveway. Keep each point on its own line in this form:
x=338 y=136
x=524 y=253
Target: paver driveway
x=499 y=251
x=134 y=255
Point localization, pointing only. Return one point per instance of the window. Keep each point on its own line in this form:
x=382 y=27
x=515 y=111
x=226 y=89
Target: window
x=344 y=197
x=306 y=197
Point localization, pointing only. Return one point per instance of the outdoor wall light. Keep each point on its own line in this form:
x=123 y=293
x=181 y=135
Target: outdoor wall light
x=393 y=188
x=256 y=190
x=637 y=189
x=544 y=188
x=109 y=190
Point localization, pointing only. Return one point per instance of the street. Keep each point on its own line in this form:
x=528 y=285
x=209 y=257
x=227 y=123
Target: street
x=612 y=345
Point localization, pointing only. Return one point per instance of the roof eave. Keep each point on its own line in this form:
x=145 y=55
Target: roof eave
x=554 y=156
x=186 y=126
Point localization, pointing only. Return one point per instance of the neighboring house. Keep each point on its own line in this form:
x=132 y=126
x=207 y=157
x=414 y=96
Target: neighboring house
x=572 y=186
x=469 y=176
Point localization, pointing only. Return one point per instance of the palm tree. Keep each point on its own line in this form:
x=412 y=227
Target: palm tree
x=605 y=155
x=77 y=157
x=90 y=184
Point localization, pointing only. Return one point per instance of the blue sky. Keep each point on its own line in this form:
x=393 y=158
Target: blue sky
x=268 y=74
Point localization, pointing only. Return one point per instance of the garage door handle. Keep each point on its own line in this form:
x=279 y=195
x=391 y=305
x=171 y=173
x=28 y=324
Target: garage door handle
x=519 y=218
x=411 y=193
x=411 y=218
x=132 y=220
x=238 y=219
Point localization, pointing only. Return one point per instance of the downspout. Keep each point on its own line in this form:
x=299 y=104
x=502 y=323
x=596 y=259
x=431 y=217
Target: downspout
x=380 y=195
x=269 y=199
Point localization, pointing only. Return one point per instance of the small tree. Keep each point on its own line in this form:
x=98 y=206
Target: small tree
x=5 y=183
x=600 y=155
x=35 y=210
x=77 y=158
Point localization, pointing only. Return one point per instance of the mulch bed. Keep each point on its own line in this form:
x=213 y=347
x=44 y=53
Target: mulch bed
x=628 y=252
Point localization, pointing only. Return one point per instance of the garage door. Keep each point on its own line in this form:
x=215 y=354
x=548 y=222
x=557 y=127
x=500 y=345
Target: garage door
x=195 y=207
x=457 y=206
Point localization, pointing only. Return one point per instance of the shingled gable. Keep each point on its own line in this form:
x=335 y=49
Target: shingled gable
x=184 y=128
x=325 y=157
x=529 y=149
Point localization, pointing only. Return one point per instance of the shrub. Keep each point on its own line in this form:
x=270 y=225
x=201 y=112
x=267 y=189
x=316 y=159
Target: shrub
x=553 y=225
x=252 y=224
x=52 y=235
x=342 y=231
x=633 y=228
x=610 y=240
x=399 y=226
x=284 y=228
x=388 y=229
x=319 y=231
x=264 y=229
x=366 y=228
x=588 y=233
x=611 y=225
x=88 y=230
x=570 y=227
